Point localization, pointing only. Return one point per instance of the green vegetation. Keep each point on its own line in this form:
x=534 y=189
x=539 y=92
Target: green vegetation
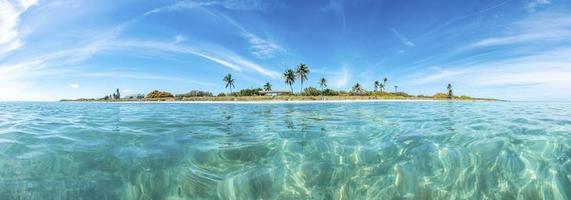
x=248 y=92
x=358 y=90
x=311 y=91
x=290 y=76
x=267 y=86
x=158 y=94
x=229 y=82
x=195 y=93
x=323 y=83
x=302 y=72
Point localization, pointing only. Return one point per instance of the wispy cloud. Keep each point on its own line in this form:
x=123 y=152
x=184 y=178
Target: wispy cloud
x=10 y=11
x=339 y=9
x=341 y=78
x=534 y=4
x=261 y=47
x=439 y=74
x=220 y=55
x=144 y=76
x=179 y=38
x=19 y=76
x=18 y=80
x=403 y=39
x=469 y=15
x=74 y=85
x=545 y=73
x=538 y=28
x=228 y=4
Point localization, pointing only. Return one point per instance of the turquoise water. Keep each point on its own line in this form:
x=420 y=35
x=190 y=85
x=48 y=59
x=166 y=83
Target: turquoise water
x=374 y=150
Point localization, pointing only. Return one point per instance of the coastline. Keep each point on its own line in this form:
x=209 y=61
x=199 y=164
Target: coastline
x=278 y=101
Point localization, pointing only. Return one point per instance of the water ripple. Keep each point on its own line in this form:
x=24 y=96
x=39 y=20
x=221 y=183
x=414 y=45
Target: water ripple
x=383 y=150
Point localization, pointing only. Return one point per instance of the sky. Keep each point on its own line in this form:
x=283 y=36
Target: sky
x=507 y=49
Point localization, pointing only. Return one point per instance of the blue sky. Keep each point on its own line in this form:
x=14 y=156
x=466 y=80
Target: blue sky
x=514 y=49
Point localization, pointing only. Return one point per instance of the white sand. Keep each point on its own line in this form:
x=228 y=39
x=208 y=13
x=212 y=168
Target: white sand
x=276 y=101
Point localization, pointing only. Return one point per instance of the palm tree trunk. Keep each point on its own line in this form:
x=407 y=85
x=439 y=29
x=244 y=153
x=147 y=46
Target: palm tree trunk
x=301 y=90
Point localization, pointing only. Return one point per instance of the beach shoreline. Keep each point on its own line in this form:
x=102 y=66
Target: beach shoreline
x=280 y=101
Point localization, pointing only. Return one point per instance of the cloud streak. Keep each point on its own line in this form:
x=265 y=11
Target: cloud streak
x=10 y=12
x=545 y=73
x=403 y=39
x=534 y=4
x=143 y=76
x=539 y=28
x=260 y=47
x=221 y=56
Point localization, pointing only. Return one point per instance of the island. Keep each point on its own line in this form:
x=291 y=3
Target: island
x=290 y=77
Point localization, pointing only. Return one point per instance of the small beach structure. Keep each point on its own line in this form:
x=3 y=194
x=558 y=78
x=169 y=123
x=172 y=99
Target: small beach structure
x=274 y=92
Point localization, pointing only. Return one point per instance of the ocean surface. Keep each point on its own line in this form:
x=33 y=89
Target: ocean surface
x=364 y=150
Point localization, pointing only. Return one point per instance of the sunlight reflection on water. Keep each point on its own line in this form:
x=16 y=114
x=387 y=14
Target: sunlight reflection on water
x=375 y=150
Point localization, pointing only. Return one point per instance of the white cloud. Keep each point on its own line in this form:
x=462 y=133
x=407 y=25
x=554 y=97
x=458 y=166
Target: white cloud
x=10 y=12
x=74 y=85
x=403 y=39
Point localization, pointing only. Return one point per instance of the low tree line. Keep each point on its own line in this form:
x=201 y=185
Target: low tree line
x=290 y=77
x=301 y=73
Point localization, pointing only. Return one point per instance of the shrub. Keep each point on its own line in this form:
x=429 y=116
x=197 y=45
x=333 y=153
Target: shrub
x=159 y=94
x=440 y=96
x=311 y=91
x=342 y=93
x=464 y=97
x=249 y=92
x=196 y=93
x=402 y=94
x=221 y=94
x=330 y=92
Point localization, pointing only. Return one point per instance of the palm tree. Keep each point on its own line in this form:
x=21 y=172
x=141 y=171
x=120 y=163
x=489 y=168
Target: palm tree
x=322 y=83
x=357 y=89
x=450 y=92
x=377 y=84
x=289 y=78
x=229 y=81
x=267 y=86
x=302 y=71
x=396 y=88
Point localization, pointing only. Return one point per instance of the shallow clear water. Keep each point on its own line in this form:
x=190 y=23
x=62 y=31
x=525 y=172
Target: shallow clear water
x=375 y=150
